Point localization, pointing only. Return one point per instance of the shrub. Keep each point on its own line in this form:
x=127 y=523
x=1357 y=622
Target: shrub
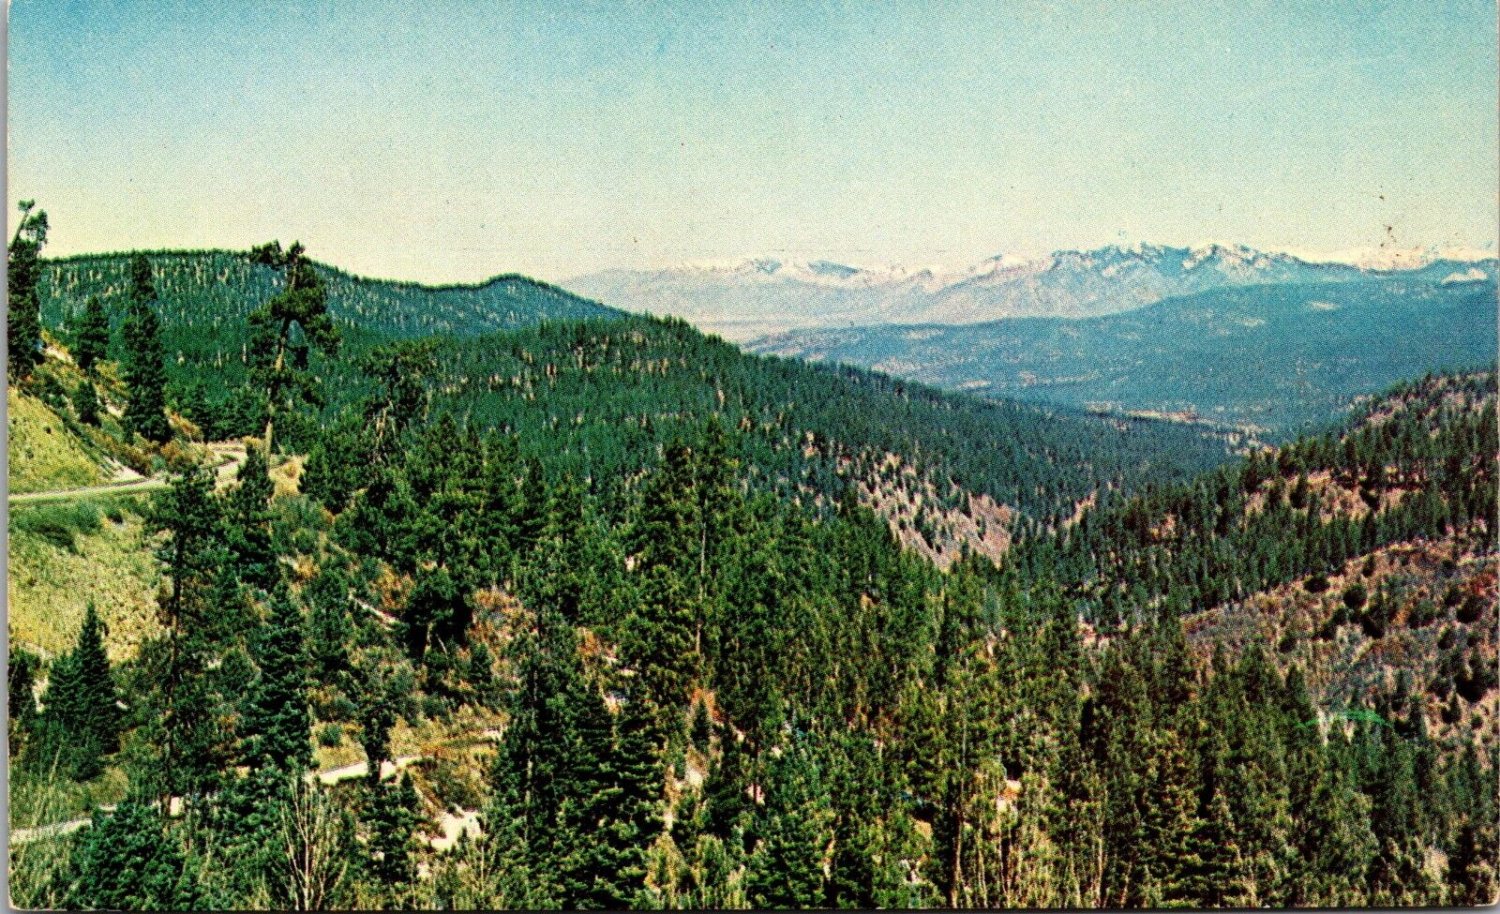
x=58 y=523
x=455 y=787
x=1316 y=584
x=1471 y=609
x=330 y=735
x=1425 y=613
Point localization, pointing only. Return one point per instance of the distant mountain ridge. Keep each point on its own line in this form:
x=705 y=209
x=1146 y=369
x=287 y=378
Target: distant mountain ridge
x=745 y=299
x=208 y=293
x=1277 y=357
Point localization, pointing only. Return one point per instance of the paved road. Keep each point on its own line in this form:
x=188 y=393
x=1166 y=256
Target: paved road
x=230 y=455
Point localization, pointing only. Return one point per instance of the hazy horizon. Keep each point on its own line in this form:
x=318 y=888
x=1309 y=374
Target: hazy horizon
x=449 y=144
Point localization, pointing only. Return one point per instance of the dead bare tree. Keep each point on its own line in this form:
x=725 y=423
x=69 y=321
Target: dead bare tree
x=316 y=840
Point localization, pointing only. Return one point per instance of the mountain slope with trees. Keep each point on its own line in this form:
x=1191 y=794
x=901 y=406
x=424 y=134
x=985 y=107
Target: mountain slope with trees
x=604 y=587
x=597 y=393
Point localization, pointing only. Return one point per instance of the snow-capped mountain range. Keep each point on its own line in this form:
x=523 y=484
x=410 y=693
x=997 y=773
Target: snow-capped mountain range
x=747 y=298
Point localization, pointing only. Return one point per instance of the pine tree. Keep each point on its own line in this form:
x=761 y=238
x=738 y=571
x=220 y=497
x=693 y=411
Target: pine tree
x=23 y=274
x=1333 y=834
x=145 y=368
x=128 y=861
x=394 y=813
x=793 y=830
x=611 y=810
x=249 y=523
x=330 y=627
x=279 y=362
x=81 y=722
x=375 y=696
x=277 y=718
x=192 y=554
x=21 y=673
x=402 y=370
x=246 y=822
x=86 y=403
x=1168 y=856
x=92 y=345
x=1472 y=864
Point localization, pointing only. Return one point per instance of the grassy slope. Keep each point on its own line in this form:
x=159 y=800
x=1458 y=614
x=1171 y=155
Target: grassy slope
x=49 y=586
x=43 y=454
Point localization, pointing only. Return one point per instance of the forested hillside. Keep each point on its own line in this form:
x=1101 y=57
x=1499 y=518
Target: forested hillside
x=1365 y=556
x=597 y=614
x=206 y=295
x=601 y=399
x=596 y=393
x=720 y=700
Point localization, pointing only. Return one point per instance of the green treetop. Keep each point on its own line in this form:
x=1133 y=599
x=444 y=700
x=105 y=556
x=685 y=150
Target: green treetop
x=23 y=272
x=279 y=360
x=145 y=366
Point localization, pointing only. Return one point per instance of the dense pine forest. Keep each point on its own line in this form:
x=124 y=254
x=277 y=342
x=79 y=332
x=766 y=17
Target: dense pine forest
x=513 y=601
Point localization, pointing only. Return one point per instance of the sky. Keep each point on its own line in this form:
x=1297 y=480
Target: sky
x=450 y=141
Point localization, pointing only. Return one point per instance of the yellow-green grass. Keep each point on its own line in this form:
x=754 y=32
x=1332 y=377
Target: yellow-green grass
x=39 y=797
x=50 y=584
x=43 y=453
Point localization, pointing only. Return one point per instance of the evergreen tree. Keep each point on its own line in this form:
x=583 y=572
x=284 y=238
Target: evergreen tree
x=279 y=361
x=330 y=627
x=145 y=368
x=249 y=524
x=21 y=671
x=128 y=861
x=394 y=813
x=192 y=554
x=92 y=344
x=86 y=403
x=277 y=716
x=23 y=273
x=611 y=807
x=80 y=723
x=381 y=684
x=1472 y=864
x=402 y=370
x=793 y=831
x=337 y=463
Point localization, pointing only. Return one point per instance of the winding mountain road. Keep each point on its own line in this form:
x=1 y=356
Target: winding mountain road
x=230 y=455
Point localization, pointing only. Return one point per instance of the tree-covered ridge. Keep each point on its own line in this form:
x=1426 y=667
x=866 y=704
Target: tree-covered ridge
x=600 y=399
x=1419 y=464
x=206 y=296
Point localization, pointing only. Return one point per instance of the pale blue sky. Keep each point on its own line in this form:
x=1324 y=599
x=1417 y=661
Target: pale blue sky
x=463 y=139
